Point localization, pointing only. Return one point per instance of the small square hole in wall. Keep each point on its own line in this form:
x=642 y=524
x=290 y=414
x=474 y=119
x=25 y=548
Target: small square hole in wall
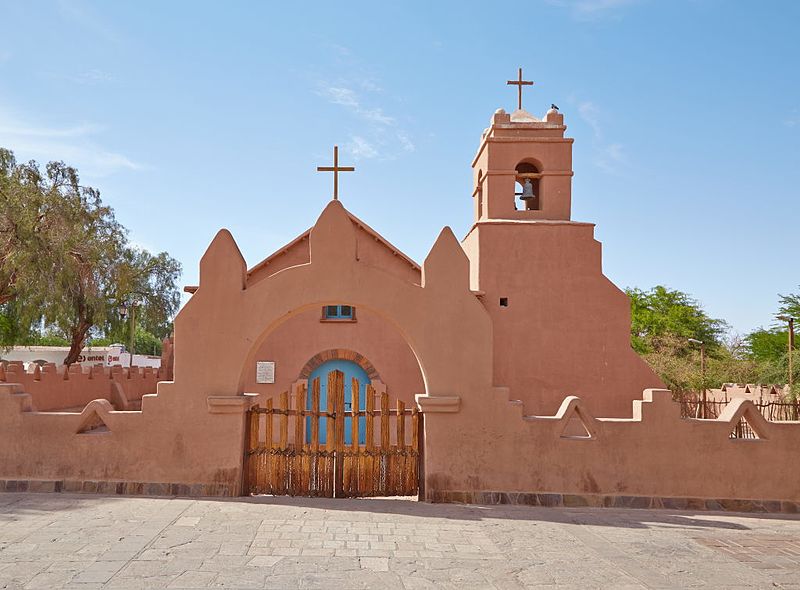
x=504 y=302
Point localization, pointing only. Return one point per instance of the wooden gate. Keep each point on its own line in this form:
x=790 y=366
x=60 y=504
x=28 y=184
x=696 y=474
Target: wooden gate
x=280 y=462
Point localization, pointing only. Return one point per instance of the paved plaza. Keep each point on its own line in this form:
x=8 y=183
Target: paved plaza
x=80 y=541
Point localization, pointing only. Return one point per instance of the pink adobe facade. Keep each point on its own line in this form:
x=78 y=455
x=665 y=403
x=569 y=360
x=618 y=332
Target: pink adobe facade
x=511 y=342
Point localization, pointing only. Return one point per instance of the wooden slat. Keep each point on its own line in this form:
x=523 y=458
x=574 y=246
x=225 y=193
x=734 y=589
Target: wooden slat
x=413 y=478
x=283 y=469
x=252 y=443
x=401 y=424
x=315 y=415
x=386 y=449
x=297 y=460
x=346 y=462
x=254 y=455
x=330 y=434
x=267 y=462
x=385 y=436
x=339 y=381
x=400 y=457
x=284 y=419
x=370 y=458
x=314 y=475
x=330 y=423
x=354 y=410
x=355 y=460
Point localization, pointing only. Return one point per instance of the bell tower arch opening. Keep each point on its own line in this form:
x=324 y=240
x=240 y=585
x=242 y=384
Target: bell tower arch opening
x=527 y=185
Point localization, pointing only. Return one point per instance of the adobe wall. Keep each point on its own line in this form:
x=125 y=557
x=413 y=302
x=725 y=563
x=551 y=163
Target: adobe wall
x=189 y=436
x=566 y=330
x=162 y=450
x=293 y=343
x=653 y=458
x=57 y=387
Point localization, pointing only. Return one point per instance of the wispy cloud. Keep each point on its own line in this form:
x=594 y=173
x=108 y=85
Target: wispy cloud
x=370 y=85
x=349 y=98
x=589 y=113
x=76 y=144
x=90 y=77
x=405 y=142
x=793 y=120
x=377 y=133
x=338 y=95
x=610 y=157
x=380 y=135
x=592 y=9
x=361 y=148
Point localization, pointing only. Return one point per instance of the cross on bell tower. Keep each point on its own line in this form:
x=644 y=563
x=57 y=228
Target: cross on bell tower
x=519 y=83
x=336 y=169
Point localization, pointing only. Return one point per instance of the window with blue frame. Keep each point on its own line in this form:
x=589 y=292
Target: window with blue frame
x=339 y=312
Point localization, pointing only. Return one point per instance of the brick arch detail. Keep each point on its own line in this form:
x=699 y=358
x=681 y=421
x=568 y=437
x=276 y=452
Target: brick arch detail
x=342 y=354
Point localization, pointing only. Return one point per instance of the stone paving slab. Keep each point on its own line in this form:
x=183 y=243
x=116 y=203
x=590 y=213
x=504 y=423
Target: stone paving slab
x=77 y=541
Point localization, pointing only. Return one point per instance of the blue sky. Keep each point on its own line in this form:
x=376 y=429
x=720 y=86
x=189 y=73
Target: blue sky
x=191 y=116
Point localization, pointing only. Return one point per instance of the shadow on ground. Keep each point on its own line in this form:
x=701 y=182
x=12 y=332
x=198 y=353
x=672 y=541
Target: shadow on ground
x=14 y=505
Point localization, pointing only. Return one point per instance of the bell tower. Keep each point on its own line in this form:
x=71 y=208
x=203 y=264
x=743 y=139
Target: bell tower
x=523 y=168
x=558 y=324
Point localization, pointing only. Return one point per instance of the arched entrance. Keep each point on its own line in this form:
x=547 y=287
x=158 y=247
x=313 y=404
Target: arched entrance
x=351 y=371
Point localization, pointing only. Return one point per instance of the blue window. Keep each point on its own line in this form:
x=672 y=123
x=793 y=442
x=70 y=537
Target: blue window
x=339 y=312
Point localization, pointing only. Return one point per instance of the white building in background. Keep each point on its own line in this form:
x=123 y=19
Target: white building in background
x=108 y=356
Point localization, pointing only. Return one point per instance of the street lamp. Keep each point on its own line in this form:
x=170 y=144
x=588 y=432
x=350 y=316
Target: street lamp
x=790 y=320
x=702 y=373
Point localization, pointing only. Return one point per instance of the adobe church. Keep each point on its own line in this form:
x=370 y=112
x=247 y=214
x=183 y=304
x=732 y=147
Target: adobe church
x=498 y=370
x=558 y=325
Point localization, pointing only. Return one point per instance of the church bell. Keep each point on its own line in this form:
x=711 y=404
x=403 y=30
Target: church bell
x=527 y=190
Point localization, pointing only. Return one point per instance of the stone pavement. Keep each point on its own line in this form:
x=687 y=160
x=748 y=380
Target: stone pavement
x=74 y=541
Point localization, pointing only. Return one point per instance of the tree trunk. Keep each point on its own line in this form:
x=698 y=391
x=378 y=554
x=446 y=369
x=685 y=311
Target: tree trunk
x=78 y=340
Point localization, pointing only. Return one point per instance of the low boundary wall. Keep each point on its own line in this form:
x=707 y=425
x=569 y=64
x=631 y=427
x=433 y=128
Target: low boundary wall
x=491 y=453
x=478 y=454
x=59 y=388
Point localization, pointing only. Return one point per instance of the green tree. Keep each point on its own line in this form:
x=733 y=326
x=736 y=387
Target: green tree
x=150 y=281
x=65 y=260
x=790 y=305
x=767 y=345
x=147 y=342
x=662 y=322
x=663 y=313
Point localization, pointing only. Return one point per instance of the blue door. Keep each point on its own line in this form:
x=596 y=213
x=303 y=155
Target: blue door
x=350 y=370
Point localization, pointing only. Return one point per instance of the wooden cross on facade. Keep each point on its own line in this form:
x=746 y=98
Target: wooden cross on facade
x=519 y=83
x=335 y=169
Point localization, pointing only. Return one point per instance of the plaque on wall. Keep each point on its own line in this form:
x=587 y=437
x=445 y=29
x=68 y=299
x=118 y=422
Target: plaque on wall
x=265 y=372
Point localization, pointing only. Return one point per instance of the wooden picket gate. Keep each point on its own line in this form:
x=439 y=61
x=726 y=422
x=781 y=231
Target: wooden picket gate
x=279 y=463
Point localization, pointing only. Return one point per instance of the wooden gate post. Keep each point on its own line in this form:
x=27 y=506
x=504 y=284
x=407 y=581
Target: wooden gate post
x=336 y=438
